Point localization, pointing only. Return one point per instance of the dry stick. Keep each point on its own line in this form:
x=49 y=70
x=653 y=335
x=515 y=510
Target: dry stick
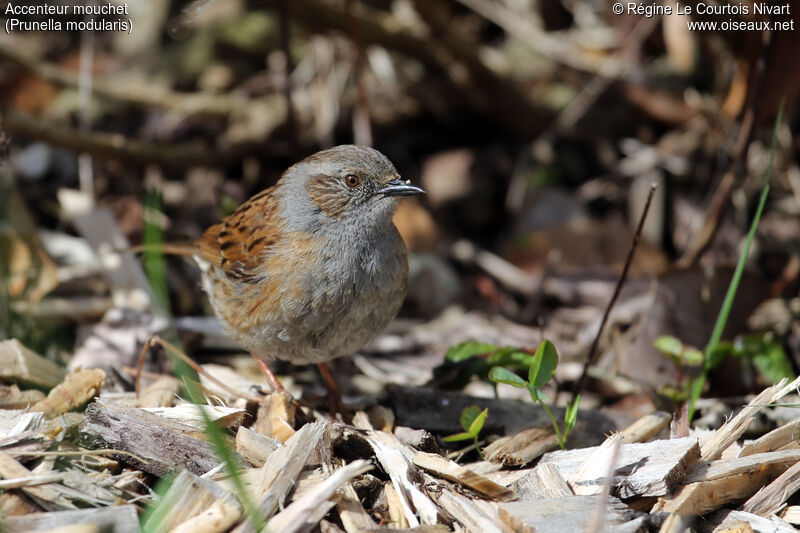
x=118 y=146
x=590 y=359
x=513 y=109
x=137 y=93
x=719 y=201
x=155 y=339
x=556 y=49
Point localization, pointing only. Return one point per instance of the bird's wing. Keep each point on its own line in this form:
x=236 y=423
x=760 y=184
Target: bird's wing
x=237 y=245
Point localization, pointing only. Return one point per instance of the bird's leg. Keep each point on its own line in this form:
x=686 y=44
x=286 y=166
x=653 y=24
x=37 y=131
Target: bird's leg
x=335 y=403
x=275 y=384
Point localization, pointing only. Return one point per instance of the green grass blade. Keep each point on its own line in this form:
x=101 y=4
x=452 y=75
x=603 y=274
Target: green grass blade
x=722 y=318
x=155 y=269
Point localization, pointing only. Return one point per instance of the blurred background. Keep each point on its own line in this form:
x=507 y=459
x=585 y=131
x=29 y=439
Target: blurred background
x=537 y=128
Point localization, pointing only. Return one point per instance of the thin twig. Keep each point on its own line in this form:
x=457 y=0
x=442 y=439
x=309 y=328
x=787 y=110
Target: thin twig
x=148 y=95
x=135 y=151
x=590 y=359
x=140 y=363
x=155 y=339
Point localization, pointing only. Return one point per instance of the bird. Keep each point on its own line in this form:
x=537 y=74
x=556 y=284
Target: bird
x=312 y=268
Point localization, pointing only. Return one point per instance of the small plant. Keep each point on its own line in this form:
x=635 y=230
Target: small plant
x=733 y=287
x=472 y=420
x=473 y=358
x=540 y=371
x=682 y=356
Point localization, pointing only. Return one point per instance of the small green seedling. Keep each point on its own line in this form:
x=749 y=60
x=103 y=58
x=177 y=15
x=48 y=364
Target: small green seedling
x=541 y=370
x=472 y=420
x=733 y=286
x=682 y=356
x=762 y=350
x=473 y=358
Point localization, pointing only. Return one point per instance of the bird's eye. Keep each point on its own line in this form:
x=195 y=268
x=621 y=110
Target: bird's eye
x=351 y=180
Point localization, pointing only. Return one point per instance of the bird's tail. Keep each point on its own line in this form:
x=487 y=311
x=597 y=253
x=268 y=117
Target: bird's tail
x=168 y=248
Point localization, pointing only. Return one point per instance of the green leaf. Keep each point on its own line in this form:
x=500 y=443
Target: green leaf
x=477 y=424
x=468 y=416
x=772 y=362
x=571 y=414
x=692 y=357
x=457 y=437
x=669 y=345
x=499 y=374
x=545 y=361
x=465 y=350
x=511 y=357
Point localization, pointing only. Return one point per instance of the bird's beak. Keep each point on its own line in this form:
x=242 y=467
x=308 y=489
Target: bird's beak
x=398 y=187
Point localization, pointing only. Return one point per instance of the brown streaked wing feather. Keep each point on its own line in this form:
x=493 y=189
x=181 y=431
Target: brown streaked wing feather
x=237 y=244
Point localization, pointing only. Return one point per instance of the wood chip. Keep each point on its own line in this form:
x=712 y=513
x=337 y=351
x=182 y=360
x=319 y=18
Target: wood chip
x=775 y=439
x=275 y=417
x=791 y=514
x=646 y=428
x=255 y=447
x=381 y=418
x=278 y=475
x=709 y=486
x=119 y=519
x=154 y=444
x=11 y=397
x=567 y=515
x=743 y=522
x=544 y=481
x=734 y=428
x=189 y=499
x=394 y=457
x=161 y=393
x=75 y=391
x=451 y=470
x=473 y=517
x=771 y=498
x=45 y=495
x=351 y=512
x=16 y=422
x=189 y=414
x=522 y=447
x=21 y=365
x=397 y=506
x=306 y=511
x=705 y=471
x=645 y=469
x=418 y=439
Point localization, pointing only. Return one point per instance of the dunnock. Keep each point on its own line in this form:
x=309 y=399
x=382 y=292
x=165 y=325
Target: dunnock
x=313 y=267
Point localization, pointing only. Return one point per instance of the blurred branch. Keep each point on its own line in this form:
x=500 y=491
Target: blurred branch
x=554 y=46
x=492 y=96
x=117 y=146
x=138 y=94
